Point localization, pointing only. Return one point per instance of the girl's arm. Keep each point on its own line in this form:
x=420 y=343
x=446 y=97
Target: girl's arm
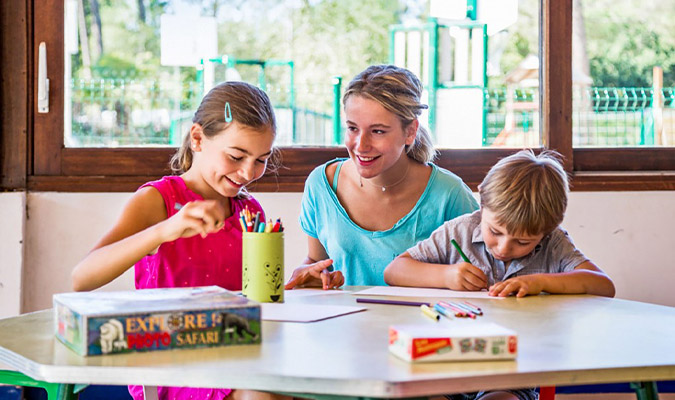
x=586 y=278
x=314 y=270
x=406 y=271
x=141 y=228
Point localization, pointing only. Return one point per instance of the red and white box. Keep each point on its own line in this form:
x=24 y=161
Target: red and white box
x=471 y=341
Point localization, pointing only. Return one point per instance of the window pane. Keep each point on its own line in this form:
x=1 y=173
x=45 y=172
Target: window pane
x=138 y=69
x=487 y=92
x=624 y=73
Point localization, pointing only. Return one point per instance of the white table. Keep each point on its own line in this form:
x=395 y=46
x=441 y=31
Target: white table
x=563 y=340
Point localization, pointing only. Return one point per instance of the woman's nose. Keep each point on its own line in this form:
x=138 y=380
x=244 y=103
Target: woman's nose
x=363 y=142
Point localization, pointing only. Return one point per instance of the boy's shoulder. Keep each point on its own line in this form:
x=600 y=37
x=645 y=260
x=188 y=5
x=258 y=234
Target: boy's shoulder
x=464 y=223
x=557 y=243
x=556 y=236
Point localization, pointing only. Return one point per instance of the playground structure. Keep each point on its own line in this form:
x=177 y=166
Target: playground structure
x=296 y=124
x=450 y=59
x=450 y=55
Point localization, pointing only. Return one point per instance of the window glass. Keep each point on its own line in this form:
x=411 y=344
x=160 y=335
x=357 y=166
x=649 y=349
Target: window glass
x=136 y=69
x=623 y=73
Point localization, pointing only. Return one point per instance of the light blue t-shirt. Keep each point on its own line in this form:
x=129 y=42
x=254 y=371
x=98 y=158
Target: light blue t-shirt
x=362 y=255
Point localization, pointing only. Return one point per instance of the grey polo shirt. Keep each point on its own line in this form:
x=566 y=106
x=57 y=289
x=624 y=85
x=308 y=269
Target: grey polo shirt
x=554 y=254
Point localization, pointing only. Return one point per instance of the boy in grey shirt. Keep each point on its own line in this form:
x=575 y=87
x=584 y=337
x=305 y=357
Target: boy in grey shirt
x=514 y=245
x=514 y=242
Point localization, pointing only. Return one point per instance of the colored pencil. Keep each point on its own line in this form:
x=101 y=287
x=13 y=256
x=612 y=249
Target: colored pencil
x=459 y=250
x=392 y=302
x=429 y=312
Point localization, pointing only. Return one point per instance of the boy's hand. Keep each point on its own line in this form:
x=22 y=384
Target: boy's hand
x=520 y=285
x=465 y=276
x=316 y=274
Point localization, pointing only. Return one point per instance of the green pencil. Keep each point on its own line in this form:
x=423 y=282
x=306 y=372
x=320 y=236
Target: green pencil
x=461 y=253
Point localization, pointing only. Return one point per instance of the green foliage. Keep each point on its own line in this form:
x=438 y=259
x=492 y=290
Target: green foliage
x=523 y=39
x=341 y=38
x=627 y=38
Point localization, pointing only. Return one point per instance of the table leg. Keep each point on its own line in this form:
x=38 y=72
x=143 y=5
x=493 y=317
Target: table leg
x=645 y=390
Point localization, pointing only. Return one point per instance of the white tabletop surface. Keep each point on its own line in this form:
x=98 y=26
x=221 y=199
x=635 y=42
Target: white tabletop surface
x=563 y=340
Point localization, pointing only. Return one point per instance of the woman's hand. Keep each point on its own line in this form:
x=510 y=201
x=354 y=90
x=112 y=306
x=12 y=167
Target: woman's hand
x=317 y=274
x=194 y=218
x=520 y=285
x=465 y=276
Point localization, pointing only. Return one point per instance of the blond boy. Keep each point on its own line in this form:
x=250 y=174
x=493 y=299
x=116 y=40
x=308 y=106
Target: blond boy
x=514 y=241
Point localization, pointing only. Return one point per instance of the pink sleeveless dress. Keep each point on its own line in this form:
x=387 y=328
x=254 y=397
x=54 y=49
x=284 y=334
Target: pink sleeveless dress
x=194 y=261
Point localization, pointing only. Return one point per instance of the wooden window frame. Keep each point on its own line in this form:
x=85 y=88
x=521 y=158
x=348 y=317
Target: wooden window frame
x=34 y=157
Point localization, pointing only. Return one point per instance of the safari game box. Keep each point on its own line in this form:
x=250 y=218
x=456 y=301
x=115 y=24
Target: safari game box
x=93 y=323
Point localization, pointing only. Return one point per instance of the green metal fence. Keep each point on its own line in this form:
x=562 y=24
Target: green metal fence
x=601 y=117
x=136 y=111
x=621 y=117
x=112 y=112
x=129 y=112
x=512 y=117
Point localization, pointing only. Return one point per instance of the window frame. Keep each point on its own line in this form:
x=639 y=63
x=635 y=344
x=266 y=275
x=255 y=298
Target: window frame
x=36 y=158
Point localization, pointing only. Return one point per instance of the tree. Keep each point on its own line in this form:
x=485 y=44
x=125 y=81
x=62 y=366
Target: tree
x=96 y=31
x=627 y=39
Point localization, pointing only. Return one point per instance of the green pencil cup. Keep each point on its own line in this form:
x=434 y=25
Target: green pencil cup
x=262 y=259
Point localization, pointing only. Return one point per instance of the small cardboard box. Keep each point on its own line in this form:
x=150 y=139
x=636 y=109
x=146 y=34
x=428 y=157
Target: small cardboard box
x=472 y=341
x=92 y=323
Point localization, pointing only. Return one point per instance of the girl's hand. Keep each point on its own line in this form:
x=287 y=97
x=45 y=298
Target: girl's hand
x=316 y=274
x=194 y=218
x=465 y=276
x=520 y=285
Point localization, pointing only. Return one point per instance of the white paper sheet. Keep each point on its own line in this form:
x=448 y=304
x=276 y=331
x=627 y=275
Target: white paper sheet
x=423 y=292
x=304 y=312
x=291 y=294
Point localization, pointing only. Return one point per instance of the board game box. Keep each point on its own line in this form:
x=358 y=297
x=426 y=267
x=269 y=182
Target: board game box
x=92 y=323
x=474 y=341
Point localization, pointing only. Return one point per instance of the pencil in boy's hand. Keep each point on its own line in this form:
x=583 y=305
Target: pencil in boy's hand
x=459 y=250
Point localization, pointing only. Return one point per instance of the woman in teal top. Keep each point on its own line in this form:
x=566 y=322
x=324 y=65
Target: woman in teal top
x=361 y=212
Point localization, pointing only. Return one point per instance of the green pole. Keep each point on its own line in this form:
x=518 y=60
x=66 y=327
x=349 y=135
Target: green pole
x=471 y=9
x=261 y=78
x=337 y=126
x=645 y=390
x=392 y=47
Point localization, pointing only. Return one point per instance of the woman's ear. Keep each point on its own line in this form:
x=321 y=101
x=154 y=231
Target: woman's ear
x=196 y=137
x=411 y=132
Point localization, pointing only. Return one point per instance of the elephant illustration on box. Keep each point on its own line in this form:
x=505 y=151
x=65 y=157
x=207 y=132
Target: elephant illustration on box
x=234 y=326
x=112 y=336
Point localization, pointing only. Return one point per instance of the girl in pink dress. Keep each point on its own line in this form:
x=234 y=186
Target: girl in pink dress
x=183 y=230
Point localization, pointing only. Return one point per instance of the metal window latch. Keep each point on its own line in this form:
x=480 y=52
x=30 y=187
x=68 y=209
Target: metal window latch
x=43 y=81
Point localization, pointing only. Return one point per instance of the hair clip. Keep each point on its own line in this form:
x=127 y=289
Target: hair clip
x=228 y=112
